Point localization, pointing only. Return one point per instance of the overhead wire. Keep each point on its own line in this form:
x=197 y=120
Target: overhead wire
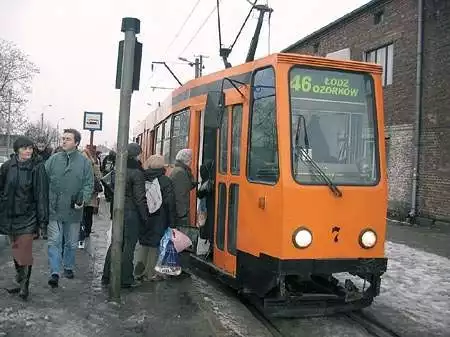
x=245 y=22
x=269 y=33
x=182 y=26
x=199 y=29
x=218 y=24
x=177 y=34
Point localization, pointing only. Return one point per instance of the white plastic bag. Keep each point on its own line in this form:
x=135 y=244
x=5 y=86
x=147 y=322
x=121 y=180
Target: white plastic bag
x=109 y=236
x=203 y=246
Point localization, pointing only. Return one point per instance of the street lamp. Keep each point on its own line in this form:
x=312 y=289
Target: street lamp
x=57 y=131
x=42 y=115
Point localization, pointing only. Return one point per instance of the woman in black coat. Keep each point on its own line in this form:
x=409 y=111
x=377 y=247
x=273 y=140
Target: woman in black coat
x=206 y=190
x=23 y=207
x=136 y=215
x=151 y=234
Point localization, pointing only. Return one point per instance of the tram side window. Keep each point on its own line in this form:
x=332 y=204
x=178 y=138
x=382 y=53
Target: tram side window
x=223 y=145
x=263 y=145
x=166 y=141
x=180 y=133
x=158 y=146
x=236 y=139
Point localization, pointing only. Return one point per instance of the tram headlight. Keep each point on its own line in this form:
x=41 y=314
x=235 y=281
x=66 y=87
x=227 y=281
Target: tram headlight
x=367 y=238
x=302 y=238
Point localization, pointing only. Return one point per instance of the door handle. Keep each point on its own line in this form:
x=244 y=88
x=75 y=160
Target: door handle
x=262 y=203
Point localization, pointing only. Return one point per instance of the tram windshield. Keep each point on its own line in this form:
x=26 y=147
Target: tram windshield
x=333 y=127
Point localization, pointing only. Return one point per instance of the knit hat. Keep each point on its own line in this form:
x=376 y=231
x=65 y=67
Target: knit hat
x=184 y=156
x=134 y=150
x=22 y=141
x=155 y=161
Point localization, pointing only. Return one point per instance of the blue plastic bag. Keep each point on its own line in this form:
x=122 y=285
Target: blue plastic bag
x=168 y=261
x=163 y=245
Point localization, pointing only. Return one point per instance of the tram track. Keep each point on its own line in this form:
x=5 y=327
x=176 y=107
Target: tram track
x=374 y=327
x=358 y=319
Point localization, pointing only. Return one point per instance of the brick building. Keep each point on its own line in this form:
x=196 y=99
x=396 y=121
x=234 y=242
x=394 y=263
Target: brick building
x=395 y=33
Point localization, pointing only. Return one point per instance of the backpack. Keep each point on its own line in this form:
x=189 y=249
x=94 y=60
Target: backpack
x=153 y=194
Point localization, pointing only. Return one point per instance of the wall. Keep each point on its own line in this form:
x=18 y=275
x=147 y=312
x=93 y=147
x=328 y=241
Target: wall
x=434 y=169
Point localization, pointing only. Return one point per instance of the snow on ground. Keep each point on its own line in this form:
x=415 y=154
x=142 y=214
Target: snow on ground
x=417 y=284
x=230 y=311
x=415 y=292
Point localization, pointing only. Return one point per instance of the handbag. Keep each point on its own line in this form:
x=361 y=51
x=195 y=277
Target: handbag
x=98 y=188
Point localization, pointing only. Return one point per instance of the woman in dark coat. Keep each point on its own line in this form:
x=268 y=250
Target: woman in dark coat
x=136 y=216
x=150 y=235
x=206 y=190
x=23 y=207
x=183 y=183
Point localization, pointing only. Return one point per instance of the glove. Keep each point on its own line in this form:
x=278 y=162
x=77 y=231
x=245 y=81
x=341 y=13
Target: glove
x=76 y=206
x=43 y=232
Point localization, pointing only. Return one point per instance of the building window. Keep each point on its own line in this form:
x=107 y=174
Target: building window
x=378 y=17
x=385 y=57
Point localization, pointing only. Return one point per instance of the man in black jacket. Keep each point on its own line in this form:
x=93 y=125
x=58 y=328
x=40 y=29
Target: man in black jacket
x=136 y=215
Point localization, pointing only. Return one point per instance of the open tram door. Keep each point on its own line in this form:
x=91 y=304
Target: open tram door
x=221 y=140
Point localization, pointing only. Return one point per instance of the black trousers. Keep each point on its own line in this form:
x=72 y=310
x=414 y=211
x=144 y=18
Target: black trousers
x=86 y=222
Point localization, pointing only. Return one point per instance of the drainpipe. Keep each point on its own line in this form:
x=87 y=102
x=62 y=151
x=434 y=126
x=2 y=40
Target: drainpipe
x=418 y=113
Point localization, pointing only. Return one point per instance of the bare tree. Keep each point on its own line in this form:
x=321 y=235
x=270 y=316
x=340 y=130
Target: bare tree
x=16 y=74
x=48 y=134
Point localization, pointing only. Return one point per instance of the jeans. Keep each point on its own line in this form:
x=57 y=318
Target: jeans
x=56 y=231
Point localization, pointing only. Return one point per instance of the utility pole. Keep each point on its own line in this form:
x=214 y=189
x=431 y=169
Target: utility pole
x=200 y=66
x=131 y=27
x=197 y=68
x=197 y=64
x=8 y=126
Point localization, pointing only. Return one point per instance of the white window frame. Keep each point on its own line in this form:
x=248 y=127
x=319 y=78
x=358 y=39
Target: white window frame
x=385 y=57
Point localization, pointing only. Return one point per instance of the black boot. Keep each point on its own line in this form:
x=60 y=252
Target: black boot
x=24 y=285
x=20 y=275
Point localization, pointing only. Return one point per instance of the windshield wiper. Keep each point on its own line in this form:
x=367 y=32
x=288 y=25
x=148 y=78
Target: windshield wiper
x=304 y=154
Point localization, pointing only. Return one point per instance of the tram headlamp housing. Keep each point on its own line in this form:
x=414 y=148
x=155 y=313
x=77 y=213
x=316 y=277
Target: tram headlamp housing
x=302 y=238
x=367 y=238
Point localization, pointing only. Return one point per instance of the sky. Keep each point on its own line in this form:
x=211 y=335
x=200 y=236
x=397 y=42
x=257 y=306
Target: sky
x=74 y=43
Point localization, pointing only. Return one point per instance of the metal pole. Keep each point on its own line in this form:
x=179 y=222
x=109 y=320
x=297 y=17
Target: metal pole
x=131 y=27
x=8 y=126
x=200 y=69
x=91 y=142
x=418 y=112
x=42 y=122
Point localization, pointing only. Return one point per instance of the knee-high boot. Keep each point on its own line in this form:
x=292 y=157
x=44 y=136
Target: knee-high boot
x=20 y=275
x=25 y=283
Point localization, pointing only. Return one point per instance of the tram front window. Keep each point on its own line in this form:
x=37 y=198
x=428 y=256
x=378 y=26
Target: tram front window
x=333 y=127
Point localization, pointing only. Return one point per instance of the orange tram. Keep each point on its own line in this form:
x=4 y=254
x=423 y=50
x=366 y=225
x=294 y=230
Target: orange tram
x=300 y=177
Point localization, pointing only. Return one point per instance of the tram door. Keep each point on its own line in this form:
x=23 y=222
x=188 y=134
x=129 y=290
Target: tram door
x=227 y=185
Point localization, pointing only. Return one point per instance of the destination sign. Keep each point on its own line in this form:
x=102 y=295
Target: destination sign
x=326 y=84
